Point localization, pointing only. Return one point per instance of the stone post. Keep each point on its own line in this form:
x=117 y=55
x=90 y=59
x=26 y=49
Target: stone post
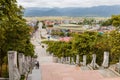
x=66 y=60
x=27 y=63
x=12 y=65
x=30 y=59
x=77 y=59
x=30 y=63
x=20 y=60
x=93 y=62
x=119 y=65
x=84 y=60
x=105 y=63
x=72 y=61
x=69 y=60
x=59 y=60
x=23 y=65
x=55 y=59
x=62 y=59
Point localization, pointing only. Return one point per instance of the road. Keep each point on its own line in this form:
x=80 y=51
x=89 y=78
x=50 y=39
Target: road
x=43 y=56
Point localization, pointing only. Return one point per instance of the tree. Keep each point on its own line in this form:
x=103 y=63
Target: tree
x=115 y=47
x=2 y=55
x=116 y=20
x=17 y=31
x=83 y=44
x=14 y=32
x=106 y=23
x=101 y=44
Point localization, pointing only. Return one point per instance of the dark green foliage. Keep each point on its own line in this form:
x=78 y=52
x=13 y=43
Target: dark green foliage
x=58 y=33
x=114 y=20
x=61 y=33
x=88 y=21
x=106 y=23
x=14 y=33
x=115 y=46
x=22 y=77
x=88 y=43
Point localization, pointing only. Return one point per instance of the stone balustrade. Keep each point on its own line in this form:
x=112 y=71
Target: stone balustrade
x=20 y=67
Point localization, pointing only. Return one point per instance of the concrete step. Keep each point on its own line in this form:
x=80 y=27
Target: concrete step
x=36 y=75
x=107 y=73
x=45 y=59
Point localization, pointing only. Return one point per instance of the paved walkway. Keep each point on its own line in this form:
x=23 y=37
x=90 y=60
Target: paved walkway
x=56 y=71
x=43 y=56
x=36 y=75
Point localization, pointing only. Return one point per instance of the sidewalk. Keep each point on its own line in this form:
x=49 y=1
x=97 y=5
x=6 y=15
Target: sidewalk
x=36 y=75
x=57 y=71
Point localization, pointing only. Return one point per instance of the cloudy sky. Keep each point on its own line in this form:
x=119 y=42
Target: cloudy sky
x=66 y=3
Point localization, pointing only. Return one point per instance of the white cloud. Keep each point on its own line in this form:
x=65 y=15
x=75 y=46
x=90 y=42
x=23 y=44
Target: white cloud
x=66 y=3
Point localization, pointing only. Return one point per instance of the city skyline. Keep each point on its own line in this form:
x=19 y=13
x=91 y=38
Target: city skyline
x=66 y=3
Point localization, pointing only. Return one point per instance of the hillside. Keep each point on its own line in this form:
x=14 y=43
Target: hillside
x=101 y=11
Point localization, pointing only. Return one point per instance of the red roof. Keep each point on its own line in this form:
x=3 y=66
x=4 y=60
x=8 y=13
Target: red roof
x=66 y=39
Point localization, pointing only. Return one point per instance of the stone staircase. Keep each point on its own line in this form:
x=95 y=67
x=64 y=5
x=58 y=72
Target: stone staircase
x=46 y=59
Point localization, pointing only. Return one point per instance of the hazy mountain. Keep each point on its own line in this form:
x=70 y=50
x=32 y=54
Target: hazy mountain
x=104 y=11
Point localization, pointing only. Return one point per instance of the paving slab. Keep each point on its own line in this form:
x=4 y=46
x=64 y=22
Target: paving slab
x=36 y=74
x=57 y=71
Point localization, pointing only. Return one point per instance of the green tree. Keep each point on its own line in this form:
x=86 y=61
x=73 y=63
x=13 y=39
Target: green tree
x=2 y=42
x=14 y=33
x=116 y=20
x=83 y=44
x=115 y=47
x=106 y=23
x=102 y=44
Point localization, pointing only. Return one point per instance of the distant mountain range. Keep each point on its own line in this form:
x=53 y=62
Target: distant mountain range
x=100 y=11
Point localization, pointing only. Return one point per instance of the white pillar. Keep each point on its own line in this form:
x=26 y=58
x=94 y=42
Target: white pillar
x=55 y=59
x=26 y=63
x=69 y=60
x=77 y=59
x=12 y=63
x=62 y=59
x=106 y=60
x=72 y=61
x=119 y=66
x=20 y=60
x=23 y=64
x=84 y=60
x=93 y=62
x=59 y=60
